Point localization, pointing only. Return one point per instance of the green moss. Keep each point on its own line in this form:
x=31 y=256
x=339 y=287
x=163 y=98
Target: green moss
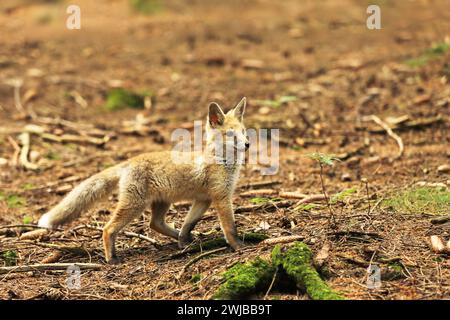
x=27 y=220
x=432 y=53
x=10 y=258
x=296 y=262
x=242 y=280
x=195 y=278
x=12 y=200
x=120 y=98
x=420 y=200
x=146 y=6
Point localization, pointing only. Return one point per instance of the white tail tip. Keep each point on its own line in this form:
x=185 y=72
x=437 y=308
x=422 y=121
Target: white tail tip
x=44 y=222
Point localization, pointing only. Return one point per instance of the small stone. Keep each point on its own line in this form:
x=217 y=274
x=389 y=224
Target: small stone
x=445 y=168
x=34 y=156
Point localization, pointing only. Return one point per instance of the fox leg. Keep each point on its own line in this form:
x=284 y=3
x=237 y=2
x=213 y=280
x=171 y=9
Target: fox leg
x=132 y=203
x=193 y=217
x=158 y=222
x=225 y=212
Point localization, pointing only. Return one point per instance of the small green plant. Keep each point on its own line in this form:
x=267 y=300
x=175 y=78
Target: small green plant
x=28 y=186
x=195 y=278
x=325 y=160
x=13 y=200
x=342 y=195
x=10 y=258
x=146 y=6
x=27 y=220
x=120 y=98
x=52 y=155
x=307 y=207
x=420 y=200
x=432 y=53
x=260 y=200
x=322 y=158
x=277 y=102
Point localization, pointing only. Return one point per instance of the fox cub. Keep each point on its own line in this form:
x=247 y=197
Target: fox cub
x=156 y=180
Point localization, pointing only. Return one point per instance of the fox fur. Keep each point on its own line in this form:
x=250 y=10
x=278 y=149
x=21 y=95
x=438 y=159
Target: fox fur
x=154 y=180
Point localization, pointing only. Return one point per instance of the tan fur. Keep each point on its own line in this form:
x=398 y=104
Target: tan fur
x=153 y=179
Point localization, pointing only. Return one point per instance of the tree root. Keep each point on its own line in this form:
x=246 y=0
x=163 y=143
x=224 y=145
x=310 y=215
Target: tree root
x=293 y=262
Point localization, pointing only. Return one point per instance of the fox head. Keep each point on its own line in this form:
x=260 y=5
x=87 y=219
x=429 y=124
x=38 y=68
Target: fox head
x=227 y=130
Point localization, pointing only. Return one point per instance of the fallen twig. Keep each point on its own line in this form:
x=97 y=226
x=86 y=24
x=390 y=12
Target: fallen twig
x=199 y=257
x=270 y=205
x=389 y=131
x=50 y=266
x=25 y=141
x=259 y=184
x=285 y=239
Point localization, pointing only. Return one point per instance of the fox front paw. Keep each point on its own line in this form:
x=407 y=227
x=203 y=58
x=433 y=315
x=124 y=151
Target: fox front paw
x=236 y=244
x=114 y=261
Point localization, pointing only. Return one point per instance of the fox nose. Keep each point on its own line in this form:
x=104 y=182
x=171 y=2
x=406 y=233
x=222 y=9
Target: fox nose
x=247 y=145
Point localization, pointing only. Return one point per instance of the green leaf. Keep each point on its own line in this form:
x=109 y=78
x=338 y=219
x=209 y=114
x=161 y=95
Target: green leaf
x=322 y=158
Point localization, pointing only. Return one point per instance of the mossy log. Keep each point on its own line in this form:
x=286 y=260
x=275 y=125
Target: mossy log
x=242 y=280
x=296 y=261
x=293 y=263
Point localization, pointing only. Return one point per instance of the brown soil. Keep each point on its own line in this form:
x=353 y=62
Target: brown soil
x=194 y=52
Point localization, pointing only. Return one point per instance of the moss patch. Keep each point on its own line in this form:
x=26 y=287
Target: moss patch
x=432 y=53
x=146 y=6
x=292 y=266
x=420 y=200
x=13 y=200
x=241 y=280
x=120 y=98
x=297 y=263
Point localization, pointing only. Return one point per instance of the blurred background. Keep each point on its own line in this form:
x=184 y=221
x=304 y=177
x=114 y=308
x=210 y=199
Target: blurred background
x=79 y=101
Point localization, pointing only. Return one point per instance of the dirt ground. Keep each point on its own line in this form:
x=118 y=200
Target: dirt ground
x=190 y=53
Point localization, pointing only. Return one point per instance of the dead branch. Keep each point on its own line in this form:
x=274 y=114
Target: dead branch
x=35 y=234
x=16 y=147
x=54 y=257
x=389 y=131
x=65 y=138
x=25 y=141
x=259 y=193
x=270 y=205
x=292 y=195
x=285 y=239
x=197 y=258
x=50 y=266
x=259 y=184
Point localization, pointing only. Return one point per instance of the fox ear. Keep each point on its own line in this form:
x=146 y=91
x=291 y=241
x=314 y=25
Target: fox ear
x=239 y=110
x=216 y=116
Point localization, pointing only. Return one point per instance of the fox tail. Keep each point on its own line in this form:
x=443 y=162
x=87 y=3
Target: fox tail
x=81 y=198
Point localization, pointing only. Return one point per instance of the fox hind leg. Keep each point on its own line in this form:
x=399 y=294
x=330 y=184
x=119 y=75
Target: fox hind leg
x=158 y=222
x=132 y=203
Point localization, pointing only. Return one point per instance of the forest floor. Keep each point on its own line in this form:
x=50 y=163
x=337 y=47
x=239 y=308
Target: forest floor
x=312 y=70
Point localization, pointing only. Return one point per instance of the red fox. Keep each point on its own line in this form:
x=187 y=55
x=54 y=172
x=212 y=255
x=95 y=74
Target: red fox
x=153 y=179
